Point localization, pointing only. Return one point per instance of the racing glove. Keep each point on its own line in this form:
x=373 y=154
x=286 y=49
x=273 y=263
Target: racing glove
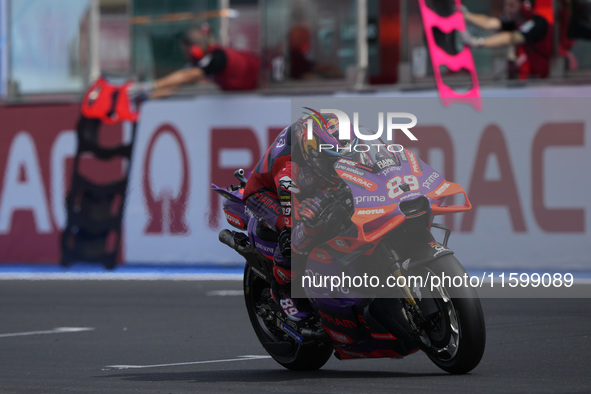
x=316 y=213
x=310 y=211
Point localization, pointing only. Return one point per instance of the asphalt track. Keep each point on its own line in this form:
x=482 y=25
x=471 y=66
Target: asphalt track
x=194 y=336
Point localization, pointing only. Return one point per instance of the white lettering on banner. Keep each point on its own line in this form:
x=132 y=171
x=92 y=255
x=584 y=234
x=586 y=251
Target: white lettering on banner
x=165 y=206
x=63 y=148
x=23 y=185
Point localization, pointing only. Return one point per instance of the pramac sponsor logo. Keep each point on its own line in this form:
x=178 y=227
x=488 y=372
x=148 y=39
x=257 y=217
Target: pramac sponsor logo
x=358 y=180
x=414 y=164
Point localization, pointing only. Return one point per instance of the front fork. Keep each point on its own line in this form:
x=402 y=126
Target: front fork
x=406 y=291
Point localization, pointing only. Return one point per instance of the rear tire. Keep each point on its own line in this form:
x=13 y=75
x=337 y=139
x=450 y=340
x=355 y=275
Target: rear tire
x=309 y=356
x=457 y=339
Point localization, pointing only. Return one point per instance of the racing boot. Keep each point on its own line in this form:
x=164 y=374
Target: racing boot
x=296 y=309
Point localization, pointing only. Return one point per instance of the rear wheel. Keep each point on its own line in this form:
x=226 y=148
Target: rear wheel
x=453 y=332
x=309 y=355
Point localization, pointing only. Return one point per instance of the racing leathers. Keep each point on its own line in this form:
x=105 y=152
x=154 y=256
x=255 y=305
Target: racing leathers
x=275 y=187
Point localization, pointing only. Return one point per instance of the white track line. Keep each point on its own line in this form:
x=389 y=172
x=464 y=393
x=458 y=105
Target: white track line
x=224 y=293
x=240 y=358
x=57 y=330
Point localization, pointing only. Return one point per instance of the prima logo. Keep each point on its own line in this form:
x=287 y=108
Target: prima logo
x=362 y=199
x=388 y=170
x=430 y=180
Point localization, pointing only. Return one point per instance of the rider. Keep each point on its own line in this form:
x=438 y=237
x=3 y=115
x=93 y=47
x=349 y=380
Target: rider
x=286 y=176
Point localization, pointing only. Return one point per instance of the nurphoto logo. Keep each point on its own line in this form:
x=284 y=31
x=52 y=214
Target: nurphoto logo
x=363 y=133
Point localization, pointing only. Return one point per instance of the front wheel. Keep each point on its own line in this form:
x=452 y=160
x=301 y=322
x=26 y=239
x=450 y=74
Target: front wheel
x=453 y=334
x=307 y=356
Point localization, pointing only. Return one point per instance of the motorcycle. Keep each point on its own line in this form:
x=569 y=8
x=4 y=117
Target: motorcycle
x=391 y=199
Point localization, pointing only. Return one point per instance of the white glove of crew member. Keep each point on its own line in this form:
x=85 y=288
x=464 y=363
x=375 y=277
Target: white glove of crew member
x=471 y=41
x=140 y=91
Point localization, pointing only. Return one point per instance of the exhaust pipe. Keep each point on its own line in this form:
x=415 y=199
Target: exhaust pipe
x=314 y=335
x=229 y=238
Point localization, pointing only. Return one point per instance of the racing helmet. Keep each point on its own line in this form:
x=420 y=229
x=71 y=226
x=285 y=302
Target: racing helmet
x=324 y=148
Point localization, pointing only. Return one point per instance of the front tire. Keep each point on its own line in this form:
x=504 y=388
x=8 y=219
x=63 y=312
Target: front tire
x=308 y=356
x=456 y=338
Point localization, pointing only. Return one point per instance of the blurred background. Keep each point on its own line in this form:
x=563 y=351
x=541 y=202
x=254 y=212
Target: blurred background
x=507 y=157
x=58 y=47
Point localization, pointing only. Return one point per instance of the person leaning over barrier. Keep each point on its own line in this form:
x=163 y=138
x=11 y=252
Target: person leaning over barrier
x=230 y=69
x=521 y=28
